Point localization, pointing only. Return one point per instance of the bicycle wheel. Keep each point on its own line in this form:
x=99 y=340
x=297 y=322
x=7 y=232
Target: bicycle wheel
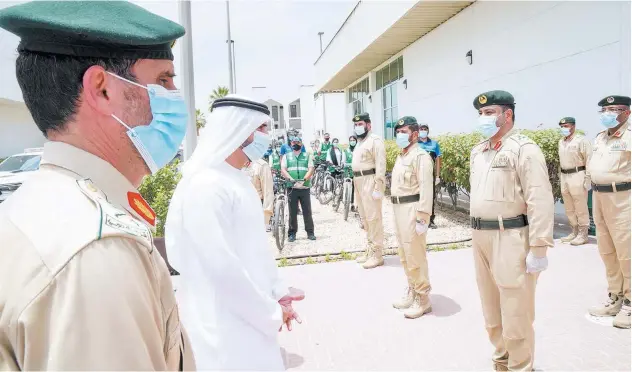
x=346 y=198
x=338 y=194
x=316 y=184
x=327 y=191
x=279 y=223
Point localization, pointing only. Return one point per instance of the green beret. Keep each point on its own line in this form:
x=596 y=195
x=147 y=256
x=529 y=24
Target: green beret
x=361 y=117
x=405 y=121
x=494 y=97
x=98 y=29
x=615 y=100
x=568 y=120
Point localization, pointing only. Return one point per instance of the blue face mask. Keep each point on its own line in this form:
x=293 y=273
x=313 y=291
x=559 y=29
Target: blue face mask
x=609 y=119
x=423 y=134
x=159 y=141
x=402 y=140
x=260 y=143
x=565 y=131
x=487 y=126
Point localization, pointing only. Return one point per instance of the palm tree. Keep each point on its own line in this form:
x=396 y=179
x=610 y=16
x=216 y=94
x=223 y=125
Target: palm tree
x=218 y=92
x=200 y=120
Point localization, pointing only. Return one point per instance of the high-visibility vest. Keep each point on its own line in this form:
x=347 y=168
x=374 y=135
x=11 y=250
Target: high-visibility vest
x=276 y=161
x=349 y=156
x=297 y=166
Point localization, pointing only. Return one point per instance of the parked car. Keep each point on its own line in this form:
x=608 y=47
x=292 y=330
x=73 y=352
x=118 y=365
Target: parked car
x=16 y=169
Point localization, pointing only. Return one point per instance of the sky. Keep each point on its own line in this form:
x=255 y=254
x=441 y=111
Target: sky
x=276 y=43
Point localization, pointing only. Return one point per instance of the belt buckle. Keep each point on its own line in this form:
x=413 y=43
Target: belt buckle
x=476 y=223
x=576 y=169
x=396 y=199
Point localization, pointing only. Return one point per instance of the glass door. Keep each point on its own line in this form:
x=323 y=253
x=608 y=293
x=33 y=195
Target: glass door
x=389 y=104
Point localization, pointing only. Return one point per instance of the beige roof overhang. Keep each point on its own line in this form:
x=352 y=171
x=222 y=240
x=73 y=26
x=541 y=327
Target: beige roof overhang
x=422 y=18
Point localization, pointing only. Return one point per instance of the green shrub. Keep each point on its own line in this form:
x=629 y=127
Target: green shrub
x=158 y=190
x=392 y=151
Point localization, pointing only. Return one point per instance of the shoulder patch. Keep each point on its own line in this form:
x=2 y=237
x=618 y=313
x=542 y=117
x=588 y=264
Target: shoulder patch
x=112 y=219
x=521 y=139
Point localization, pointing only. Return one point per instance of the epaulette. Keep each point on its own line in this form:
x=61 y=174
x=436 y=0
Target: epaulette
x=113 y=220
x=521 y=139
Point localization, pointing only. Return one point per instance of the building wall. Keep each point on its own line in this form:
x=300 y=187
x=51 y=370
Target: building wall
x=334 y=113
x=368 y=21
x=17 y=130
x=557 y=59
x=308 y=112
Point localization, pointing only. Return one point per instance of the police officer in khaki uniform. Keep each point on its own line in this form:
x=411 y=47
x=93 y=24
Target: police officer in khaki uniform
x=411 y=195
x=609 y=169
x=369 y=176
x=261 y=177
x=83 y=286
x=512 y=222
x=575 y=152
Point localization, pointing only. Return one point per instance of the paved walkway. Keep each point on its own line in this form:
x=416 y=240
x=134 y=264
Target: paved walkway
x=349 y=324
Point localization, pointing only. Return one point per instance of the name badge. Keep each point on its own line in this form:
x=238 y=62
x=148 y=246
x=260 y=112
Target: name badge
x=501 y=161
x=619 y=146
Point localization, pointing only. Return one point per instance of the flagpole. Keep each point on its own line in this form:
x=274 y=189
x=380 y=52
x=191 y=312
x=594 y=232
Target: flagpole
x=231 y=81
x=186 y=71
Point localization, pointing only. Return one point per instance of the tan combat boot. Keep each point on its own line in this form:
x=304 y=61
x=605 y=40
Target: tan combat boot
x=611 y=307
x=582 y=236
x=622 y=320
x=421 y=305
x=362 y=257
x=406 y=301
x=374 y=259
x=570 y=236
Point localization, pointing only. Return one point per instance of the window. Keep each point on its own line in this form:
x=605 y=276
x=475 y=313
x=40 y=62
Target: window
x=275 y=113
x=293 y=111
x=357 y=95
x=389 y=103
x=390 y=73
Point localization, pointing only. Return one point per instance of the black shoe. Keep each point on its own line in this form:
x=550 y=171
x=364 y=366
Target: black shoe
x=291 y=238
x=311 y=236
x=432 y=225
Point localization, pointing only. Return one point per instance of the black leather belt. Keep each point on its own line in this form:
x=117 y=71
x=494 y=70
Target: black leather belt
x=622 y=186
x=364 y=173
x=404 y=199
x=508 y=223
x=573 y=170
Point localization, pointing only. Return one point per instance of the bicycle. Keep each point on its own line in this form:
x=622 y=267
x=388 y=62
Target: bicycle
x=280 y=203
x=338 y=186
x=319 y=167
x=347 y=193
x=327 y=188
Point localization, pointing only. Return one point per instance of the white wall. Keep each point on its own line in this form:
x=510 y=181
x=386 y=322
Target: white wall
x=369 y=20
x=336 y=124
x=306 y=97
x=557 y=59
x=17 y=130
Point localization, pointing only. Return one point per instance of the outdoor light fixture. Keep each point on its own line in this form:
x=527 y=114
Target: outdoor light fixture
x=405 y=82
x=370 y=98
x=468 y=57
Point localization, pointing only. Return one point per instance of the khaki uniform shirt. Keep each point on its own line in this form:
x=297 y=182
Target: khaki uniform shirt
x=261 y=177
x=610 y=162
x=412 y=174
x=83 y=287
x=369 y=153
x=511 y=179
x=575 y=152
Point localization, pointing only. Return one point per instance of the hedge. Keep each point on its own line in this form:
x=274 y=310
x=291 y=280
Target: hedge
x=455 y=155
x=158 y=190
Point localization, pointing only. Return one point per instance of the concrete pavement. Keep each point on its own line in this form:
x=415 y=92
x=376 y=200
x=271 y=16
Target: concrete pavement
x=349 y=324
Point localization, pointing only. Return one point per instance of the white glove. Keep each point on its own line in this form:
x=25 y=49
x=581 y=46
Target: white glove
x=437 y=180
x=376 y=195
x=421 y=228
x=536 y=264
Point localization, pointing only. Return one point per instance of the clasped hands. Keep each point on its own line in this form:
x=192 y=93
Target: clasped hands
x=288 y=311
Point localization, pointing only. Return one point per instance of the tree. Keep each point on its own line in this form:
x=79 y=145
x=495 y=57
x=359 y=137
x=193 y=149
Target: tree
x=200 y=120
x=218 y=92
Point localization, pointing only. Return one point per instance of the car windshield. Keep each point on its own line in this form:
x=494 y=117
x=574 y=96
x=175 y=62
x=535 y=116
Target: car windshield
x=21 y=163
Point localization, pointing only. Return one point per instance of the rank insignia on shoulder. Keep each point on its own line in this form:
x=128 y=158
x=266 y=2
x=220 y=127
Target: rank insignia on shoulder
x=140 y=206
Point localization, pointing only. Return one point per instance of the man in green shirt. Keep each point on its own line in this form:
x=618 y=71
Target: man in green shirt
x=298 y=167
x=325 y=147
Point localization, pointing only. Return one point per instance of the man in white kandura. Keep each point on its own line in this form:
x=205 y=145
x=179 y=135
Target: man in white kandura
x=230 y=293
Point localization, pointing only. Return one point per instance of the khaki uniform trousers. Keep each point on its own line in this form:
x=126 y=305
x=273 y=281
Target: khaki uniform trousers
x=575 y=198
x=370 y=211
x=612 y=219
x=412 y=247
x=507 y=294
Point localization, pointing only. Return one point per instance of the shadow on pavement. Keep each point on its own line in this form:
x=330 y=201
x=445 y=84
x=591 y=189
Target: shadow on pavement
x=443 y=306
x=291 y=360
